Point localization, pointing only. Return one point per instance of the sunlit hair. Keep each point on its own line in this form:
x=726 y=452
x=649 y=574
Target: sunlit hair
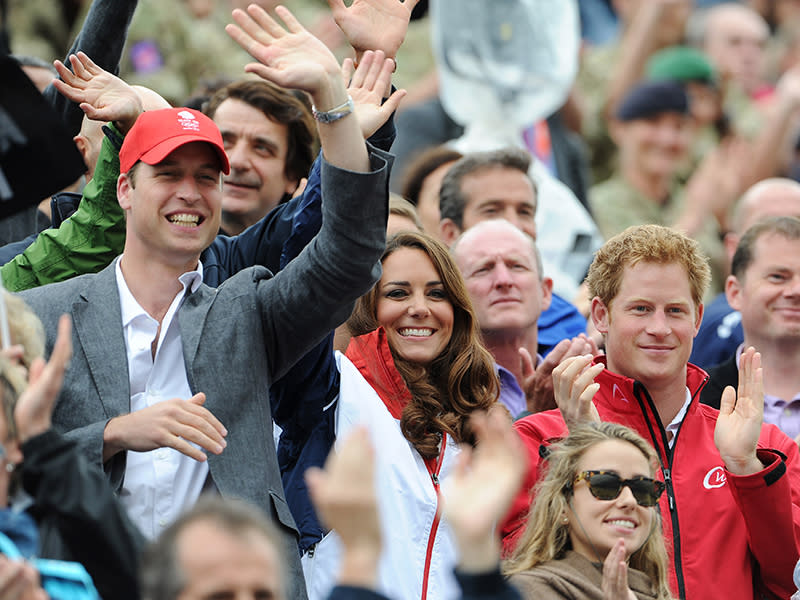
x=9 y=392
x=424 y=164
x=786 y=227
x=460 y=380
x=546 y=536
x=403 y=208
x=26 y=330
x=11 y=387
x=649 y=244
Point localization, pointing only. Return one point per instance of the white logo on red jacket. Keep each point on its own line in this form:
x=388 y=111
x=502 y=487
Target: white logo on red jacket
x=715 y=478
x=617 y=394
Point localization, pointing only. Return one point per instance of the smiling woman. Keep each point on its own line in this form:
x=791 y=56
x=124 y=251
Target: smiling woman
x=593 y=530
x=413 y=374
x=422 y=308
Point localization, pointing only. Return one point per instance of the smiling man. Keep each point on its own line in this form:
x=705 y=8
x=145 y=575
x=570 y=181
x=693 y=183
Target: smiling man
x=764 y=287
x=168 y=386
x=268 y=134
x=732 y=486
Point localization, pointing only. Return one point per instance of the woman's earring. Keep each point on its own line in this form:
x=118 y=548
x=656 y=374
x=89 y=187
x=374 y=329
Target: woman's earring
x=10 y=467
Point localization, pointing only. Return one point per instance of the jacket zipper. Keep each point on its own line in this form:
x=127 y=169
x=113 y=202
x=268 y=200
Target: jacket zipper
x=434 y=473
x=666 y=469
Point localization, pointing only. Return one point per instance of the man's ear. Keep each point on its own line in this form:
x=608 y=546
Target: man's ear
x=699 y=319
x=124 y=189
x=448 y=231
x=733 y=292
x=600 y=315
x=82 y=143
x=730 y=241
x=616 y=130
x=547 y=292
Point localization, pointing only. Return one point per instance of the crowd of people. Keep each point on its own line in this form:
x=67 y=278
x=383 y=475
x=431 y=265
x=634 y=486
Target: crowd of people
x=292 y=335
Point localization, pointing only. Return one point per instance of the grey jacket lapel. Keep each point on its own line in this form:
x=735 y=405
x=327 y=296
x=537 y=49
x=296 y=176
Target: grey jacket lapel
x=97 y=319
x=191 y=319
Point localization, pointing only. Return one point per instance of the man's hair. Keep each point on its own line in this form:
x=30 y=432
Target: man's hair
x=403 y=208
x=787 y=227
x=161 y=575
x=452 y=200
x=423 y=165
x=651 y=244
x=504 y=225
x=281 y=106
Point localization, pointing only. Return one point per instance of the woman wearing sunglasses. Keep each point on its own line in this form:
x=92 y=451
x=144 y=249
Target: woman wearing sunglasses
x=594 y=529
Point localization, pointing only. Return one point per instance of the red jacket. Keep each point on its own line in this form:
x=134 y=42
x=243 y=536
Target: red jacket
x=726 y=534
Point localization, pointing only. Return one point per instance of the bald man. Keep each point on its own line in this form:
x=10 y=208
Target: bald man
x=96 y=208
x=721 y=331
x=735 y=39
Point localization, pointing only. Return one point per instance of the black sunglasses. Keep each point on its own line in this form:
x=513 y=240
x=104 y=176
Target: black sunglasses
x=605 y=485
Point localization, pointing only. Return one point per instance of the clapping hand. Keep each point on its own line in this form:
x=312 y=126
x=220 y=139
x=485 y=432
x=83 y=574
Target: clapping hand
x=574 y=388
x=479 y=492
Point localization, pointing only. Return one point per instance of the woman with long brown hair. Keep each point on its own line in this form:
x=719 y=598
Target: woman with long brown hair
x=413 y=373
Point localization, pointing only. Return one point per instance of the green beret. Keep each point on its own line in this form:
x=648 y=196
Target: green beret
x=680 y=63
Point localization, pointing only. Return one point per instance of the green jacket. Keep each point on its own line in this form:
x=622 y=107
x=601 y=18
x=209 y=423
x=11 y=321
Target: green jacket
x=84 y=243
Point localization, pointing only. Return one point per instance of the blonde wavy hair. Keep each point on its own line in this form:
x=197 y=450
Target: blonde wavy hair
x=647 y=243
x=26 y=330
x=546 y=536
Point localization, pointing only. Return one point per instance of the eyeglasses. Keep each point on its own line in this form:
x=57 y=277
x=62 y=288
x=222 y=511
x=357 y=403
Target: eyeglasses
x=605 y=485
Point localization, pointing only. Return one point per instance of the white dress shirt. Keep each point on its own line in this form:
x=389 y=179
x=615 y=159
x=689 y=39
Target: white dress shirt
x=161 y=483
x=672 y=428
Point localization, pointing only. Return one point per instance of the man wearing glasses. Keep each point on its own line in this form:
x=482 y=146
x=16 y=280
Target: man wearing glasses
x=732 y=484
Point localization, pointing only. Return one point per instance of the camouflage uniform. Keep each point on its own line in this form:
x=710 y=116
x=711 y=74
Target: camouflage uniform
x=592 y=86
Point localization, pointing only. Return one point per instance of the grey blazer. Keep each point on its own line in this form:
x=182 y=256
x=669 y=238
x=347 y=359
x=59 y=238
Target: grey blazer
x=236 y=340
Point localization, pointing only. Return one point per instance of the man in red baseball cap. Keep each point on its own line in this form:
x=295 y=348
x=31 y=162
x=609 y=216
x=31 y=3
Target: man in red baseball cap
x=158 y=132
x=168 y=385
x=169 y=186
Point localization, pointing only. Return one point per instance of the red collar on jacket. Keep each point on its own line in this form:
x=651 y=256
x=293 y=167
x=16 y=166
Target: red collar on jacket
x=372 y=357
x=617 y=386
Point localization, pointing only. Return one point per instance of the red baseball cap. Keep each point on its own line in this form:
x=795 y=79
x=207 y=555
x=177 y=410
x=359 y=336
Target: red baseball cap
x=156 y=133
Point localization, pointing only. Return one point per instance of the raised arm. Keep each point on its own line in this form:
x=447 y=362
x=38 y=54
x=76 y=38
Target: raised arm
x=67 y=489
x=89 y=239
x=373 y=24
x=291 y=57
x=102 y=36
x=762 y=471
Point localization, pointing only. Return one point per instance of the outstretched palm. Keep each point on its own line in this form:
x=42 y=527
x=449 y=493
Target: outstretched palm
x=741 y=415
x=289 y=56
x=374 y=24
